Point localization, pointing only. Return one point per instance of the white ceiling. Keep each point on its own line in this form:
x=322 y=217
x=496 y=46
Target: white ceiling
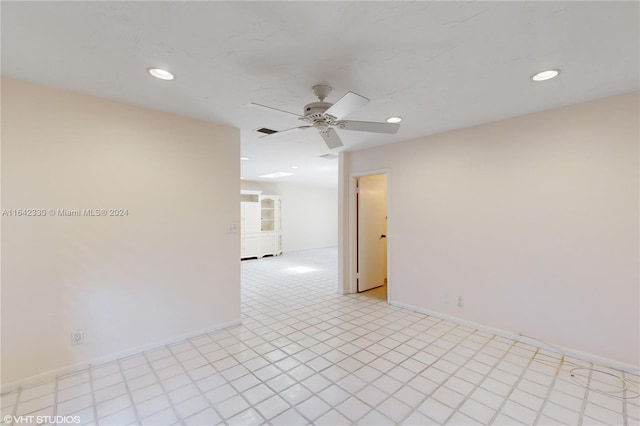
x=440 y=65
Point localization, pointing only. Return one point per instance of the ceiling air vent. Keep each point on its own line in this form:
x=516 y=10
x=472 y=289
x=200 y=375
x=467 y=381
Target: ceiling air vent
x=328 y=156
x=266 y=131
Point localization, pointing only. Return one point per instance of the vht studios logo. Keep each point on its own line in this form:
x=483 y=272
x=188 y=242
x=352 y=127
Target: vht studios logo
x=41 y=419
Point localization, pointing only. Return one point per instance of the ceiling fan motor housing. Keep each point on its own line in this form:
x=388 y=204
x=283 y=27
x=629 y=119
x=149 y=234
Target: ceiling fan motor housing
x=315 y=110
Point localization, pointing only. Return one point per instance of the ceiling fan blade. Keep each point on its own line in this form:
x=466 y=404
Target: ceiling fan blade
x=346 y=105
x=331 y=138
x=275 y=109
x=285 y=130
x=368 y=126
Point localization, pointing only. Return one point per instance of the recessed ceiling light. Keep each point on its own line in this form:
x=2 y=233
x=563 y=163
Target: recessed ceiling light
x=545 y=75
x=295 y=167
x=394 y=119
x=276 y=175
x=244 y=158
x=161 y=74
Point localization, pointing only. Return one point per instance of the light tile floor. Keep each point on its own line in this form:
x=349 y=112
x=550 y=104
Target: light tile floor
x=307 y=355
x=378 y=293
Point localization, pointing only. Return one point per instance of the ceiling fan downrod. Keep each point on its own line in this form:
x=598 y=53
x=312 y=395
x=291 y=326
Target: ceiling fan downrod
x=321 y=91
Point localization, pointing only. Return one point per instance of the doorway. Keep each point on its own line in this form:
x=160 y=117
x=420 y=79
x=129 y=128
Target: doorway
x=371 y=235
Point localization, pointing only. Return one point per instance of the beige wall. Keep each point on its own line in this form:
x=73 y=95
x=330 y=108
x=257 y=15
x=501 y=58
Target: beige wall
x=309 y=214
x=167 y=269
x=533 y=220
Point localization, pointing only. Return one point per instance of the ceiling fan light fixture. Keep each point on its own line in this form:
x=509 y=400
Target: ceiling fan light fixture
x=545 y=75
x=160 y=73
x=394 y=119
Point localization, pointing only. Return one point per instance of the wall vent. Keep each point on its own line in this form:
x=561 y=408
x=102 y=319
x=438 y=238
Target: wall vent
x=266 y=131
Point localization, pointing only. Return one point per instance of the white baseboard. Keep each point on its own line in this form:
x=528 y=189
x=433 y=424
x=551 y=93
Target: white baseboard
x=50 y=375
x=601 y=361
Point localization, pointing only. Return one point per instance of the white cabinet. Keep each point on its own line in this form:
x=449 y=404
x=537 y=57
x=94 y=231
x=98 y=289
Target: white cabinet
x=250 y=225
x=260 y=225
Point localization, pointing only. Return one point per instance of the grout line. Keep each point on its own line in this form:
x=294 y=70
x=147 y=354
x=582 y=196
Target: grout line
x=546 y=398
x=126 y=385
x=15 y=407
x=514 y=386
x=164 y=390
x=93 y=397
x=478 y=385
x=212 y=405
x=55 y=400
x=625 y=420
x=586 y=395
x=440 y=385
x=225 y=379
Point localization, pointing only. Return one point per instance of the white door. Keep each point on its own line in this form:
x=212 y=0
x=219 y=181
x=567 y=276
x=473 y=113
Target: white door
x=372 y=231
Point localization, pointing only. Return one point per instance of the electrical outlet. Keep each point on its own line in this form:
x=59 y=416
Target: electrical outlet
x=77 y=337
x=447 y=299
x=233 y=228
x=460 y=301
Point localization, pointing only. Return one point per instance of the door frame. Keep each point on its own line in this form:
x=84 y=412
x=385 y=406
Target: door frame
x=352 y=286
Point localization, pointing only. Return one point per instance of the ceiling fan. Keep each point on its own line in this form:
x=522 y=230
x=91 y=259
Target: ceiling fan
x=324 y=116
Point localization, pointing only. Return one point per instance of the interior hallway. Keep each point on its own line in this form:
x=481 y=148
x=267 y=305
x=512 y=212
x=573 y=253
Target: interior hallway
x=307 y=355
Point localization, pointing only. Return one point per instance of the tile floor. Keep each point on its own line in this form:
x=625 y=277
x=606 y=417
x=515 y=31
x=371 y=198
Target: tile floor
x=378 y=292
x=306 y=355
